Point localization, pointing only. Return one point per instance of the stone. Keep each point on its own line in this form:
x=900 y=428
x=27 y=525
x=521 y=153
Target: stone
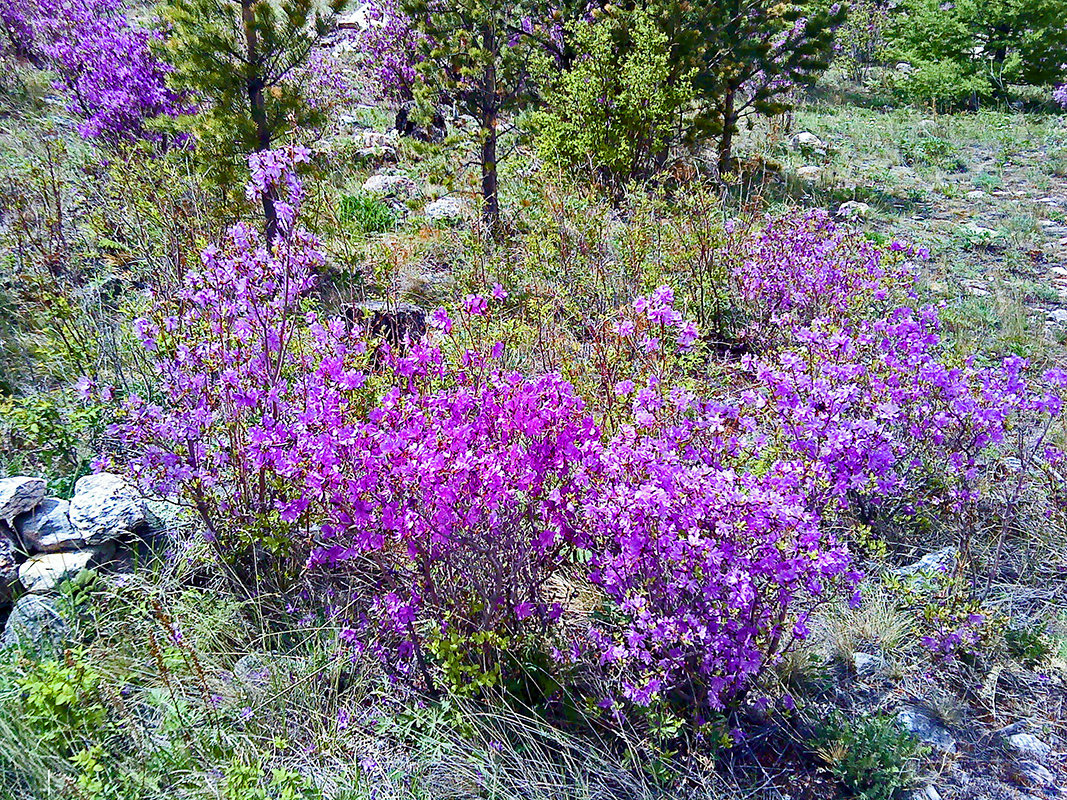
x=105 y=507
x=391 y=186
x=981 y=234
x=926 y=793
x=374 y=144
x=250 y=669
x=45 y=571
x=447 y=208
x=19 y=495
x=806 y=142
x=47 y=528
x=9 y=566
x=1059 y=316
x=1028 y=746
x=393 y=322
x=932 y=564
x=904 y=68
x=853 y=210
x=926 y=729
x=35 y=624
x=370 y=138
x=354 y=20
x=977 y=195
x=1037 y=774
x=867 y=665
x=808 y=174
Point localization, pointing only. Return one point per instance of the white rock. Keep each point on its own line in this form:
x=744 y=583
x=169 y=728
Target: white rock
x=807 y=142
x=868 y=665
x=926 y=729
x=447 y=208
x=809 y=174
x=904 y=68
x=354 y=20
x=105 y=507
x=979 y=234
x=939 y=562
x=853 y=210
x=1059 y=316
x=45 y=571
x=390 y=185
x=1029 y=746
x=977 y=195
x=369 y=138
x=47 y=528
x=19 y=495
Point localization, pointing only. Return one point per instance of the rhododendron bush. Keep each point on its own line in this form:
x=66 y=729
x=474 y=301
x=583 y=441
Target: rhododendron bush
x=452 y=501
x=103 y=60
x=1059 y=95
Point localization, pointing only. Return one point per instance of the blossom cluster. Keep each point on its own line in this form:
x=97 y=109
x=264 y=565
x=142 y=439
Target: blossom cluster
x=104 y=62
x=391 y=48
x=1059 y=95
x=462 y=498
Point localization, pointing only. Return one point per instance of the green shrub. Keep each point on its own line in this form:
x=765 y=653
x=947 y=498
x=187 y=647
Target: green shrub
x=46 y=434
x=873 y=758
x=616 y=109
x=1031 y=646
x=62 y=703
x=367 y=214
x=972 y=50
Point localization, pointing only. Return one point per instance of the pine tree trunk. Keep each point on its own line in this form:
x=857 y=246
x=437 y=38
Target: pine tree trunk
x=258 y=107
x=729 y=125
x=490 y=105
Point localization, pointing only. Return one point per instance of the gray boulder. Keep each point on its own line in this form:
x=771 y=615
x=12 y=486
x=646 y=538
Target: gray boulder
x=806 y=142
x=399 y=186
x=926 y=729
x=105 y=507
x=19 y=495
x=1028 y=746
x=47 y=528
x=853 y=210
x=35 y=624
x=931 y=565
x=45 y=571
x=448 y=208
x=9 y=566
x=868 y=665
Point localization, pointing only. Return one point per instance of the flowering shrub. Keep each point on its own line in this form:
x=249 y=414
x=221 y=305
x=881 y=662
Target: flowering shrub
x=233 y=365
x=705 y=564
x=882 y=421
x=457 y=497
x=1059 y=95
x=462 y=498
x=794 y=268
x=391 y=48
x=104 y=63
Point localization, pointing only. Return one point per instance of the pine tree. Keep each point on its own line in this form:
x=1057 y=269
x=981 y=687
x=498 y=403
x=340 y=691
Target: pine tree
x=477 y=56
x=747 y=55
x=239 y=58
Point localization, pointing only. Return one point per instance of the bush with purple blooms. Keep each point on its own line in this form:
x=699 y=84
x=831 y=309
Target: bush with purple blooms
x=105 y=64
x=451 y=500
x=391 y=48
x=1059 y=95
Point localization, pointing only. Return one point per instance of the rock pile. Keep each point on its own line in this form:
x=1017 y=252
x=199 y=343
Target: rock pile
x=45 y=541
